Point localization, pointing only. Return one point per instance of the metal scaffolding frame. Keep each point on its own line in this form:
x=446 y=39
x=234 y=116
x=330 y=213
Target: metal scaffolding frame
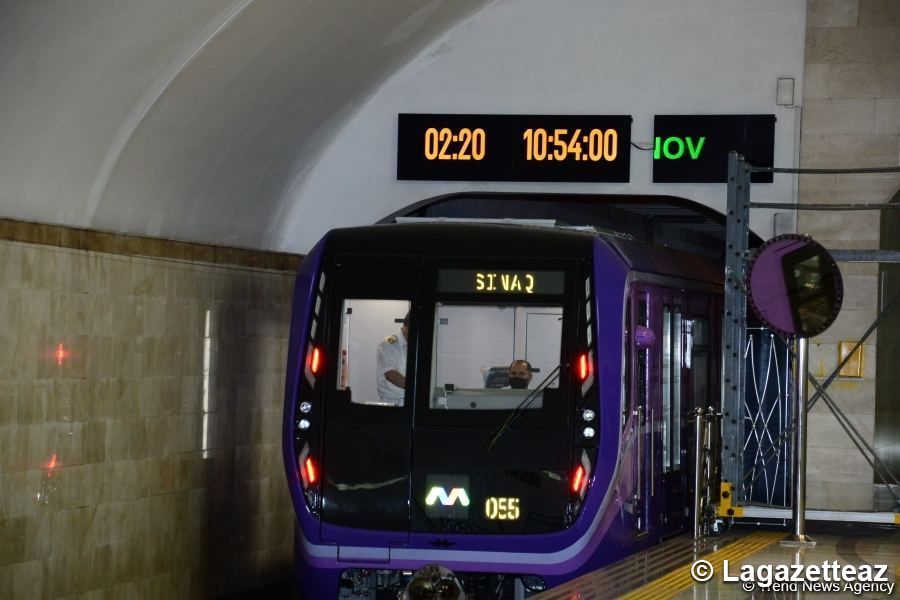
x=735 y=339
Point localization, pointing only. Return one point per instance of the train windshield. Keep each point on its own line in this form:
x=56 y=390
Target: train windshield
x=494 y=356
x=373 y=349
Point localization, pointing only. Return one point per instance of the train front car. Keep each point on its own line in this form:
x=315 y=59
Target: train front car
x=505 y=477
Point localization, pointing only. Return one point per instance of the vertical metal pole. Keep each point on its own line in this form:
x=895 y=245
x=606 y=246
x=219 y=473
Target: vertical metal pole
x=699 y=462
x=734 y=324
x=799 y=537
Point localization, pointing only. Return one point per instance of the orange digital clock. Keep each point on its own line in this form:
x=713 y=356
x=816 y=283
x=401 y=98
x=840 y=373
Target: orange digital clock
x=447 y=144
x=460 y=147
x=561 y=144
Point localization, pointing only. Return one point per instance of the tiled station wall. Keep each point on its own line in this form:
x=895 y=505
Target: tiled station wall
x=851 y=118
x=108 y=374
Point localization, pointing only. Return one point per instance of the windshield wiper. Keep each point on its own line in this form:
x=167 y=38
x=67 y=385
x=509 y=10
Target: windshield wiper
x=518 y=411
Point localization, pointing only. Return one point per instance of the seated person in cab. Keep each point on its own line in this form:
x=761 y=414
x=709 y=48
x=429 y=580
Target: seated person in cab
x=519 y=374
x=392 y=366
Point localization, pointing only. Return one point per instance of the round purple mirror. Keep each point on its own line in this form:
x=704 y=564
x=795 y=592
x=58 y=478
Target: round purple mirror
x=795 y=287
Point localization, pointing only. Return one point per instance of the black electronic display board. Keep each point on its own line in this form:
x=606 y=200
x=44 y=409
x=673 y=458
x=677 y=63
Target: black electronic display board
x=457 y=147
x=694 y=148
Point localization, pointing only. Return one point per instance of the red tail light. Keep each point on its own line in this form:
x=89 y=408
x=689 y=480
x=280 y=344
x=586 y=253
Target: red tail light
x=315 y=360
x=578 y=479
x=312 y=474
x=584 y=366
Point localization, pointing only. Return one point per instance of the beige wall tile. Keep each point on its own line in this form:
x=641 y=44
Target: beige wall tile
x=850 y=324
x=879 y=13
x=832 y=13
x=67 y=313
x=9 y=391
x=22 y=580
x=823 y=358
x=846 y=150
x=837 y=464
x=869 y=188
x=866 y=269
x=11 y=264
x=844 y=81
x=126 y=509
x=852 y=44
x=148 y=280
x=12 y=540
x=887 y=114
x=855 y=116
x=826 y=432
x=838 y=496
x=853 y=230
x=852 y=395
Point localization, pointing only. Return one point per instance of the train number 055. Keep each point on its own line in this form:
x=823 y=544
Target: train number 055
x=503 y=509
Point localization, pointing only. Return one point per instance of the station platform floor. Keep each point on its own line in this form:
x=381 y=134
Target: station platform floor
x=754 y=556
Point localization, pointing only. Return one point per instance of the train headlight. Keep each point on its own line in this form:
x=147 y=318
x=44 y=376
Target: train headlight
x=584 y=366
x=589 y=433
x=310 y=470
x=578 y=479
x=588 y=415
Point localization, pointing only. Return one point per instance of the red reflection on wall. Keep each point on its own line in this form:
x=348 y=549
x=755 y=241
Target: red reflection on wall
x=52 y=463
x=61 y=354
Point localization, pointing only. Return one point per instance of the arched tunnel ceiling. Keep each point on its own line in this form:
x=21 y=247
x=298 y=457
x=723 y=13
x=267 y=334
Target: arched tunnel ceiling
x=187 y=119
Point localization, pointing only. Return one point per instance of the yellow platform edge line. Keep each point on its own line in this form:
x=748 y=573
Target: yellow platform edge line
x=680 y=579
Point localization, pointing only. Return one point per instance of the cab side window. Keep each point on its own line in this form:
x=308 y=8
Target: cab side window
x=373 y=351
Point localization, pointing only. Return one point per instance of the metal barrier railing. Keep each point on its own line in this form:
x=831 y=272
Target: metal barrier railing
x=707 y=475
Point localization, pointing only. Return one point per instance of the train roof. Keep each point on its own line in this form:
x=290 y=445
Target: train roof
x=458 y=239
x=663 y=220
x=516 y=240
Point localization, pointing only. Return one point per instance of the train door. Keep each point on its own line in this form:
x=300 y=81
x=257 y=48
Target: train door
x=371 y=333
x=640 y=392
x=655 y=370
x=685 y=371
x=659 y=409
x=674 y=423
x=700 y=334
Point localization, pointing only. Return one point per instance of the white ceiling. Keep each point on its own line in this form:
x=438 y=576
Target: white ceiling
x=187 y=119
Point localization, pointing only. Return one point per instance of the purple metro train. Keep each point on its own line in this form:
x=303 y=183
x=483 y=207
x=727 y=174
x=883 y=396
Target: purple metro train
x=512 y=489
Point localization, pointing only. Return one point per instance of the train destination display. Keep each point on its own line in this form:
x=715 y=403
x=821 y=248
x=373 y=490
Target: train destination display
x=694 y=148
x=488 y=281
x=457 y=147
